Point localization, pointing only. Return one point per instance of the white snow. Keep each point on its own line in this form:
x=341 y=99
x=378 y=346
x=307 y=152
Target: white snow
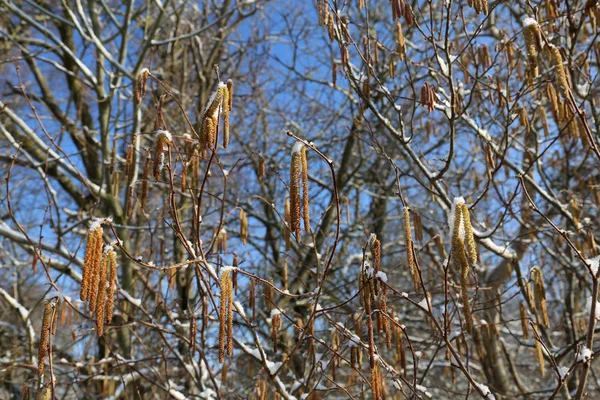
x=443 y=65
x=297 y=148
x=588 y=307
x=528 y=21
x=457 y=201
x=240 y=309
x=485 y=390
x=584 y=355
x=275 y=312
x=594 y=263
x=382 y=275
x=563 y=372
x=227 y=269
x=164 y=133
x=96 y=223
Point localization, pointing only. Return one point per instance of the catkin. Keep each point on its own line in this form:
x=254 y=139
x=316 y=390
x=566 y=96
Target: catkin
x=145 y=175
x=163 y=139
x=275 y=324
x=223 y=313
x=230 y=317
x=93 y=254
x=540 y=357
x=141 y=84
x=410 y=260
x=226 y=110
x=287 y=232
x=561 y=76
x=112 y=281
x=457 y=243
x=243 y=226
x=531 y=31
x=295 y=172
x=469 y=237
x=305 y=207
x=400 y=40
x=101 y=295
x=539 y=295
x=523 y=314
x=464 y=282
x=44 y=336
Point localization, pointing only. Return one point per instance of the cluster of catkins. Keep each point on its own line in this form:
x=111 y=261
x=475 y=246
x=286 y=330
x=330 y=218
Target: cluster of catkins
x=99 y=277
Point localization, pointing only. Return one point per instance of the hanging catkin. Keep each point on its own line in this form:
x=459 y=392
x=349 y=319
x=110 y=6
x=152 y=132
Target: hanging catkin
x=305 y=207
x=539 y=295
x=295 y=174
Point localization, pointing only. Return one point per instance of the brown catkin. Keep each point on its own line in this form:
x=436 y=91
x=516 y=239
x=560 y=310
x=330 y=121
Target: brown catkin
x=225 y=278
x=295 y=172
x=209 y=133
x=539 y=295
x=243 y=226
x=44 y=336
x=561 y=76
x=55 y=316
x=287 y=231
x=275 y=323
x=230 y=91
x=162 y=142
x=410 y=259
x=112 y=281
x=230 y=316
x=523 y=314
x=305 y=207
x=469 y=237
x=226 y=110
x=100 y=302
x=141 y=84
x=145 y=176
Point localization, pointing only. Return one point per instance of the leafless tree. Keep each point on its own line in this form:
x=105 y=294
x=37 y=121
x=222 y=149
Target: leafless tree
x=234 y=199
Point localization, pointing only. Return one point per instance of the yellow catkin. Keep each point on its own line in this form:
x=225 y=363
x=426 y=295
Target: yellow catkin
x=93 y=250
x=561 y=76
x=243 y=226
x=287 y=231
x=209 y=133
x=410 y=260
x=230 y=317
x=112 y=281
x=540 y=357
x=469 y=237
x=531 y=31
x=44 y=336
x=305 y=207
x=464 y=282
x=400 y=40
x=539 y=295
x=457 y=243
x=100 y=302
x=523 y=313
x=295 y=172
